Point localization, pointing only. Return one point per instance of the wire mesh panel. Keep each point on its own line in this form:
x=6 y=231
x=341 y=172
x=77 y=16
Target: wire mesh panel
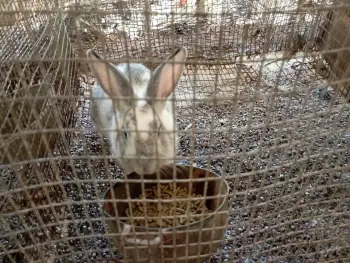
x=38 y=93
x=334 y=36
x=246 y=161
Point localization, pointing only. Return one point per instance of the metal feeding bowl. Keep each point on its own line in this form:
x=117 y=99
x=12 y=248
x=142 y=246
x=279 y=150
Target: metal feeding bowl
x=192 y=241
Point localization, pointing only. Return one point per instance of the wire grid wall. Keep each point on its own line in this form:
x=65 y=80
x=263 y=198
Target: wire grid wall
x=34 y=78
x=255 y=105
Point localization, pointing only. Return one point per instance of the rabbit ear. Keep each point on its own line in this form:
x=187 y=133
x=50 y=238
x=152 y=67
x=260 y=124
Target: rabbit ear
x=111 y=80
x=167 y=75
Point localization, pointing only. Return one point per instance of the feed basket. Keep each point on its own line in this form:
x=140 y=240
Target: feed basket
x=191 y=242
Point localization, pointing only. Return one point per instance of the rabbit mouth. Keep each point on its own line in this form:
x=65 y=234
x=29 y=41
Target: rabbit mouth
x=145 y=170
x=145 y=167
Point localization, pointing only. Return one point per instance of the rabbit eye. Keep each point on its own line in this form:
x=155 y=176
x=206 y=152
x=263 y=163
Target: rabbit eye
x=125 y=135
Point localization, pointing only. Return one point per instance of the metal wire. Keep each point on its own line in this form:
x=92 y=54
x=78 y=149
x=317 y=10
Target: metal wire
x=261 y=110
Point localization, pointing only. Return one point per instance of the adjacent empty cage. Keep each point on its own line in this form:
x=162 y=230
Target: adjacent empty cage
x=261 y=172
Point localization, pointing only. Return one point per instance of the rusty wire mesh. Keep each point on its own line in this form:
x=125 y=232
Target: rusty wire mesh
x=262 y=104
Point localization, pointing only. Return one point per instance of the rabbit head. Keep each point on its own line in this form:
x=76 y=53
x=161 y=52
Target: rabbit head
x=143 y=132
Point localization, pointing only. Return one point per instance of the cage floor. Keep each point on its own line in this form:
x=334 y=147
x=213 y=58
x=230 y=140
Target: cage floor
x=280 y=144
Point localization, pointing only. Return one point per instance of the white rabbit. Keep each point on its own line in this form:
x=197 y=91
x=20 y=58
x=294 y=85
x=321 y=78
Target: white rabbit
x=134 y=86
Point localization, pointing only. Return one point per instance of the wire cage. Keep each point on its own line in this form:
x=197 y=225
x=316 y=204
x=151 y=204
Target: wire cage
x=35 y=77
x=260 y=132
x=333 y=36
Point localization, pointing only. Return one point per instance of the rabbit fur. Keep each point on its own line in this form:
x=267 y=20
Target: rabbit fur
x=134 y=86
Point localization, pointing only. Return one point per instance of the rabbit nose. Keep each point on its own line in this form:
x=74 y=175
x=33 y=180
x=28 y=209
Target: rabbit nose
x=144 y=136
